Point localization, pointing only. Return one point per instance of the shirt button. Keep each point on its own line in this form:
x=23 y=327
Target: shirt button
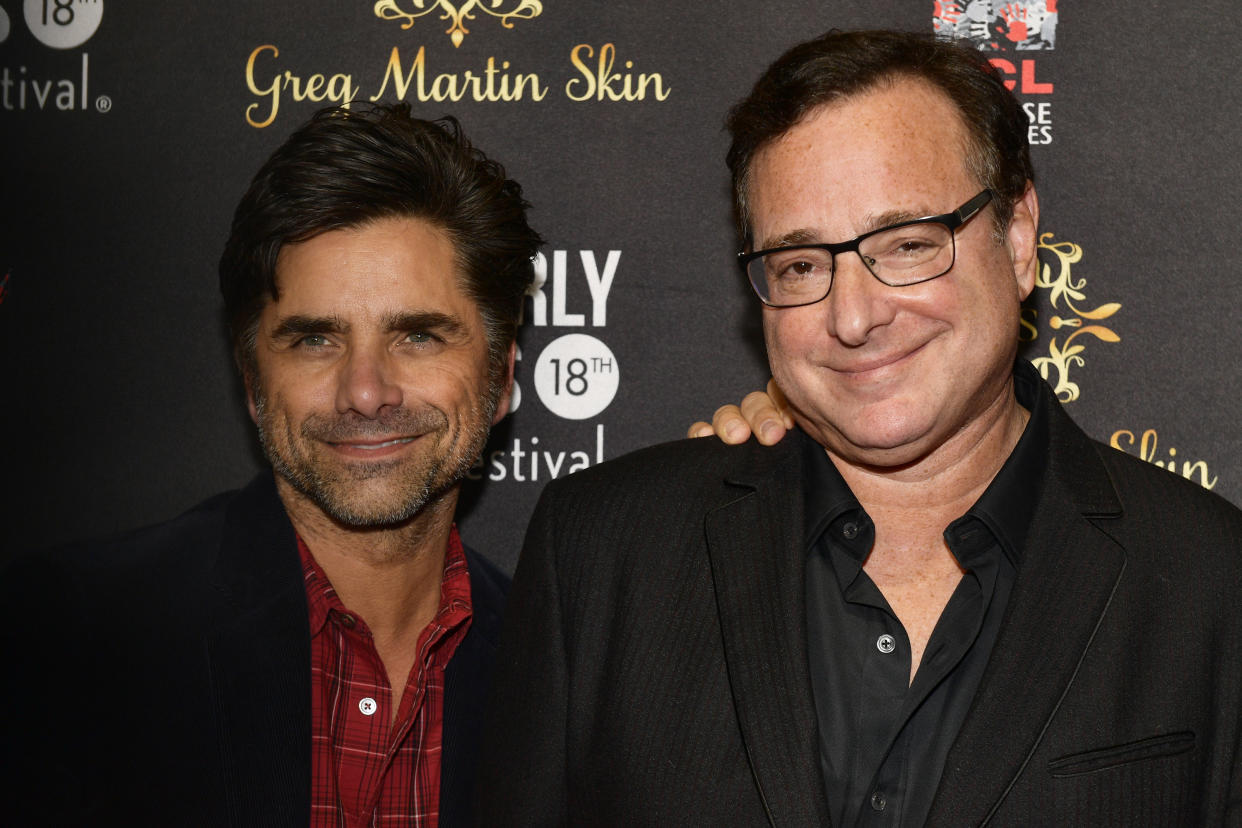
x=850 y=530
x=348 y=621
x=878 y=802
x=367 y=706
x=886 y=643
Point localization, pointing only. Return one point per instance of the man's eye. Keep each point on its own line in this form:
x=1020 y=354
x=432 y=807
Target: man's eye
x=312 y=341
x=910 y=245
x=420 y=337
x=913 y=246
x=799 y=268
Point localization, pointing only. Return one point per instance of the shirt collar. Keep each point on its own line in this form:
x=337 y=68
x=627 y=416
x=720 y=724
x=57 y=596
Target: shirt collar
x=321 y=597
x=1006 y=507
x=322 y=600
x=827 y=496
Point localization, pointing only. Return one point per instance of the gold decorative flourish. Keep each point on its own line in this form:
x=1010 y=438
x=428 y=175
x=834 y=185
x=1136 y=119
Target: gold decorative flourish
x=1063 y=288
x=457 y=31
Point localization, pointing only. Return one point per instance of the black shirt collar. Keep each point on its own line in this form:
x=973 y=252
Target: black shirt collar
x=1006 y=507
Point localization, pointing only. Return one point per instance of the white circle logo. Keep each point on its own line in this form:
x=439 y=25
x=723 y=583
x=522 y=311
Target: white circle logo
x=576 y=376
x=63 y=24
x=4 y=25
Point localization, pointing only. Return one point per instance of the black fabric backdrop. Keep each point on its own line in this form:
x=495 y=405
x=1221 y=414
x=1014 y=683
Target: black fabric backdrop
x=129 y=130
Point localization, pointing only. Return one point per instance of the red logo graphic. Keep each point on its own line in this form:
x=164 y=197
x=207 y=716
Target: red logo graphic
x=999 y=25
x=4 y=287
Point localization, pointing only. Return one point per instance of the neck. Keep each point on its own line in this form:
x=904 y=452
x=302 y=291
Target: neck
x=916 y=501
x=388 y=575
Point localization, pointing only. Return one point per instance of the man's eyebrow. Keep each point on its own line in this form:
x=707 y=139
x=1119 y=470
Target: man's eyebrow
x=442 y=323
x=872 y=222
x=892 y=217
x=300 y=325
x=794 y=237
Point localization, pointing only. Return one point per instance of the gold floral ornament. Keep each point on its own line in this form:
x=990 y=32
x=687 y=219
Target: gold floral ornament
x=1064 y=289
x=457 y=31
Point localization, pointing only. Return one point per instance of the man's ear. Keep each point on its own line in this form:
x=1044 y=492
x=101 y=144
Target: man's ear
x=248 y=382
x=506 y=395
x=1022 y=239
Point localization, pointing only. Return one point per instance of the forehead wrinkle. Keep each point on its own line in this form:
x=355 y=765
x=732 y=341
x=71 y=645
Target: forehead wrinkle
x=792 y=140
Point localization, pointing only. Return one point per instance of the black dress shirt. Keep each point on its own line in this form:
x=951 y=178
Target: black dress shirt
x=883 y=741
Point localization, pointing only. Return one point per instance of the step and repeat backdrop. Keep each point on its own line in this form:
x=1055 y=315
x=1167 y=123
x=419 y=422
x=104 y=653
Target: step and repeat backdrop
x=129 y=130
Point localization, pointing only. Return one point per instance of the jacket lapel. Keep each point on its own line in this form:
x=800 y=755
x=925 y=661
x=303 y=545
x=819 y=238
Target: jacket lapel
x=757 y=557
x=466 y=681
x=259 y=659
x=1069 y=570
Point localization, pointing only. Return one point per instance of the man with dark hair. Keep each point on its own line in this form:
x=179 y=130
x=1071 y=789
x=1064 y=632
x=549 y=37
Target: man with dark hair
x=937 y=602
x=315 y=648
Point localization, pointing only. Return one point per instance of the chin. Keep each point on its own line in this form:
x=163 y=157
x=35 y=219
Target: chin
x=374 y=513
x=878 y=441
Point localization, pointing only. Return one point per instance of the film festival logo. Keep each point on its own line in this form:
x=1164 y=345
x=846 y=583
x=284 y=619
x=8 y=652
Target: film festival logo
x=60 y=25
x=575 y=376
x=458 y=14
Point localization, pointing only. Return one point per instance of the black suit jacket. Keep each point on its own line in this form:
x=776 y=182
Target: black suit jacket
x=653 y=668
x=164 y=678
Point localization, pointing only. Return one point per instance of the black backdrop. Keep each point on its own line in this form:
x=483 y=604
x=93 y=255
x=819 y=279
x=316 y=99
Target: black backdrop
x=129 y=130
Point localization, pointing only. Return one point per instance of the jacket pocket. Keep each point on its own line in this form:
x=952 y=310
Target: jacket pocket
x=1153 y=747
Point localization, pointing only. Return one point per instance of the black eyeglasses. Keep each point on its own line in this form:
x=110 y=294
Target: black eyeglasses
x=899 y=255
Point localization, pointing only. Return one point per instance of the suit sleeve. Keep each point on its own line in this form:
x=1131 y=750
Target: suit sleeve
x=46 y=727
x=522 y=770
x=1233 y=800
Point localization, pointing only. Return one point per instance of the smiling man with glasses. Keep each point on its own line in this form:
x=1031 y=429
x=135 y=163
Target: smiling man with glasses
x=938 y=601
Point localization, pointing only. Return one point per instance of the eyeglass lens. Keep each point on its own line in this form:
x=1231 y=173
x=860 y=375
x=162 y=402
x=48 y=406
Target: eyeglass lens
x=897 y=257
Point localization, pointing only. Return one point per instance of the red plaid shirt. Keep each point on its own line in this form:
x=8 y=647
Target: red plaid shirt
x=364 y=770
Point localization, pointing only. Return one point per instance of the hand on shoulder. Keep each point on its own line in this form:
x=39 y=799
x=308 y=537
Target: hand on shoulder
x=766 y=415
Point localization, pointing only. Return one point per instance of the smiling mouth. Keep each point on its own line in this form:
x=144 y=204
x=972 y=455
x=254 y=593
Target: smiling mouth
x=386 y=444
x=866 y=367
x=374 y=446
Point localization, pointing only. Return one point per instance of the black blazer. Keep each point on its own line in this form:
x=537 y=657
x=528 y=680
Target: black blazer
x=164 y=678
x=653 y=667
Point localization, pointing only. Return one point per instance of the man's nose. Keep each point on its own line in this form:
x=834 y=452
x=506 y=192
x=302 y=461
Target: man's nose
x=367 y=382
x=858 y=302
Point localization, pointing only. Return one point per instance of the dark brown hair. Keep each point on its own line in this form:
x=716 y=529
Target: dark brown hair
x=346 y=167
x=840 y=64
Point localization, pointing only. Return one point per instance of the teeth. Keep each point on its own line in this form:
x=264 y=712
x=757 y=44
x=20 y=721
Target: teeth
x=373 y=447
